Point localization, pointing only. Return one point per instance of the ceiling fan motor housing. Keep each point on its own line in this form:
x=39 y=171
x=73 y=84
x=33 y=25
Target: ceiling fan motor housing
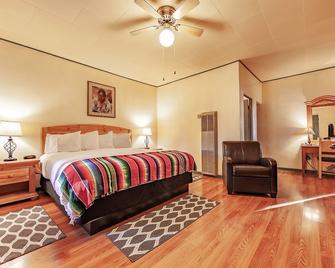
x=167 y=19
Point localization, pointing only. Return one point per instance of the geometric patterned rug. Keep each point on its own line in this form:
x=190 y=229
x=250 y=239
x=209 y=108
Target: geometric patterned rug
x=25 y=231
x=138 y=237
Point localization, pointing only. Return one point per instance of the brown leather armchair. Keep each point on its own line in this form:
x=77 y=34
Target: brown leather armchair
x=245 y=170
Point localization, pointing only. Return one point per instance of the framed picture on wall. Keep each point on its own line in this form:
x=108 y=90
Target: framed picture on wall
x=101 y=100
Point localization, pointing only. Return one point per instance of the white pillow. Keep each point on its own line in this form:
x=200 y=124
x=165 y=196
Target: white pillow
x=122 y=140
x=70 y=142
x=90 y=140
x=51 y=145
x=106 y=140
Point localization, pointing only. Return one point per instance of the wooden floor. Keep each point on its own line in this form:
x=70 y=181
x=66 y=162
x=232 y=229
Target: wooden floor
x=234 y=234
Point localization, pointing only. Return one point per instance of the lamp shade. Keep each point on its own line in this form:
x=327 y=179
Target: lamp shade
x=146 y=131
x=309 y=131
x=10 y=129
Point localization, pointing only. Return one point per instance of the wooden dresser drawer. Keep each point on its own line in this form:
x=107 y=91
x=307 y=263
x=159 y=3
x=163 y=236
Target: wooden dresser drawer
x=14 y=175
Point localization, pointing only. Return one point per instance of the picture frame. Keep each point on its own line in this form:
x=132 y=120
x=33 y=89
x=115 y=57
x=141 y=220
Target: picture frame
x=101 y=100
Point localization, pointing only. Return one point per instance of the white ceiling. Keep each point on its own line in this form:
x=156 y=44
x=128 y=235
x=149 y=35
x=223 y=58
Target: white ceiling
x=274 y=38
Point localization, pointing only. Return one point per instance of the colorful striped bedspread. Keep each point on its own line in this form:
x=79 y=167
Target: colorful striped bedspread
x=84 y=181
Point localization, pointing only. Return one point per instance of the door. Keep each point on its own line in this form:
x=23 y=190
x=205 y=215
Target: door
x=247 y=114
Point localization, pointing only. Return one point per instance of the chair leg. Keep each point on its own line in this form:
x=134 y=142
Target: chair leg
x=273 y=195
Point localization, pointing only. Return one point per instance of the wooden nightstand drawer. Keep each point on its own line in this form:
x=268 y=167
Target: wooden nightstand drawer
x=14 y=176
x=17 y=180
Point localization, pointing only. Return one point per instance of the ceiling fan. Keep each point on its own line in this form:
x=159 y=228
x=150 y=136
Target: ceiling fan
x=167 y=19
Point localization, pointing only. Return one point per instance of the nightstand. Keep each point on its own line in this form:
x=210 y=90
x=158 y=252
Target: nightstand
x=18 y=180
x=313 y=151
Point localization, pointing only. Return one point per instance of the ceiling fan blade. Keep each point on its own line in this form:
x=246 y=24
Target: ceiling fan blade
x=142 y=30
x=196 y=31
x=185 y=7
x=124 y=24
x=146 y=6
x=207 y=23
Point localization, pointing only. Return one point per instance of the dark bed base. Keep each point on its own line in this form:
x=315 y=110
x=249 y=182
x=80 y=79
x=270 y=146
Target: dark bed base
x=124 y=204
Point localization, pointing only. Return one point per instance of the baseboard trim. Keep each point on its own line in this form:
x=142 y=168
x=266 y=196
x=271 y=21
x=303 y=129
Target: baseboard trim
x=199 y=173
x=290 y=169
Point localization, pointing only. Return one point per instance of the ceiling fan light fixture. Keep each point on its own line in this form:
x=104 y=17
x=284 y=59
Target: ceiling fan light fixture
x=166 y=37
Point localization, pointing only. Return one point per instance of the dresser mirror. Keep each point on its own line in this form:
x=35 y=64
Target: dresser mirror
x=321 y=116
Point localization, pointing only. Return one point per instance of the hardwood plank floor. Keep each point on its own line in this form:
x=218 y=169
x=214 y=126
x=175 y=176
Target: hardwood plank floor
x=234 y=234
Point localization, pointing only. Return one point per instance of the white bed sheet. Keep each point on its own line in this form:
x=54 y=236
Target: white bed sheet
x=53 y=164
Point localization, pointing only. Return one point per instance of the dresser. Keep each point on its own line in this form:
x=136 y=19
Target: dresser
x=312 y=151
x=18 y=180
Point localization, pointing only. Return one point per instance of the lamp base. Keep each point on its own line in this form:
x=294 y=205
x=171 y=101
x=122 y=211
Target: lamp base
x=10 y=147
x=309 y=139
x=10 y=159
x=146 y=142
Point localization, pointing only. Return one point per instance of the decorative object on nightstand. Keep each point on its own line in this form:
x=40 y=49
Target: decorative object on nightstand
x=10 y=129
x=146 y=132
x=31 y=156
x=309 y=131
x=18 y=180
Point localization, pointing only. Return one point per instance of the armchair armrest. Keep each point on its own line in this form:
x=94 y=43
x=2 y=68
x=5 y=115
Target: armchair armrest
x=268 y=162
x=228 y=160
x=227 y=170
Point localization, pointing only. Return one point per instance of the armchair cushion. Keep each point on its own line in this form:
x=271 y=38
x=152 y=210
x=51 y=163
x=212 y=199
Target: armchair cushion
x=252 y=171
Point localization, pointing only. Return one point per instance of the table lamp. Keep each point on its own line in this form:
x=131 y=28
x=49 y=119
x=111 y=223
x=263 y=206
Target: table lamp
x=309 y=131
x=146 y=132
x=10 y=129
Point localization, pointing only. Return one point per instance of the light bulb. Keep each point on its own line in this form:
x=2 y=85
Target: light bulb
x=166 y=37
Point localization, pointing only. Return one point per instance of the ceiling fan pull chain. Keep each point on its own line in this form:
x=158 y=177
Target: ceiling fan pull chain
x=163 y=55
x=174 y=51
x=163 y=60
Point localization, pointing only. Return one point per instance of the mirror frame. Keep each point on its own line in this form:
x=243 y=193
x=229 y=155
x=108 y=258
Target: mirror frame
x=327 y=100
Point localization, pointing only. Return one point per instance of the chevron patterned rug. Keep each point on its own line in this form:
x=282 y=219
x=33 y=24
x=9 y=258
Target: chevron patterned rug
x=25 y=231
x=137 y=238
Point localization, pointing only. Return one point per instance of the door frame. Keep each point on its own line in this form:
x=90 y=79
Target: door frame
x=250 y=117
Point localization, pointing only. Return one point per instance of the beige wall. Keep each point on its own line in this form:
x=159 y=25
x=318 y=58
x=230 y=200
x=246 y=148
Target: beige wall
x=252 y=88
x=283 y=114
x=41 y=90
x=179 y=103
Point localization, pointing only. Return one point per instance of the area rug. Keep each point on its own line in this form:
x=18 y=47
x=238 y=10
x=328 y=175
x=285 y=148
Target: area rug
x=137 y=238
x=25 y=231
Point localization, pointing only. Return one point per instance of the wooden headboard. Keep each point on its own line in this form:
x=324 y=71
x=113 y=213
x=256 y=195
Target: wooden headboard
x=102 y=129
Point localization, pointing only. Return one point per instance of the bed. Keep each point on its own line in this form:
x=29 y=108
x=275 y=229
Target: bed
x=113 y=207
